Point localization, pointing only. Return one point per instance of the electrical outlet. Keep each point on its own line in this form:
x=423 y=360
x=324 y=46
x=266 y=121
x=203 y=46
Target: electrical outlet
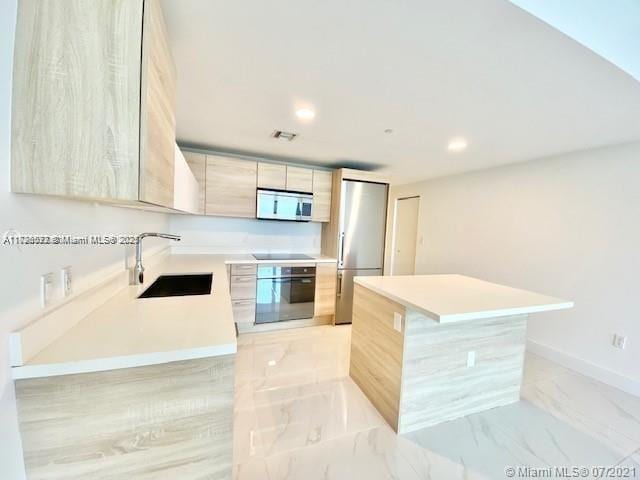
x=471 y=358
x=66 y=281
x=46 y=285
x=619 y=341
x=397 y=321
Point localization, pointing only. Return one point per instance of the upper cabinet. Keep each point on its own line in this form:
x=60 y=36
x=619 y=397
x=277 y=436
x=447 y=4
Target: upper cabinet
x=299 y=179
x=230 y=187
x=198 y=164
x=93 y=101
x=157 y=111
x=186 y=194
x=272 y=175
x=321 y=211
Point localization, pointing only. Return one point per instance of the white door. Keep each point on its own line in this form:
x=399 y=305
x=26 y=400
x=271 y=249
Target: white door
x=405 y=235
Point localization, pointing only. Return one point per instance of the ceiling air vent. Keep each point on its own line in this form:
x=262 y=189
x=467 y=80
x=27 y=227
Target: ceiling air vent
x=284 y=135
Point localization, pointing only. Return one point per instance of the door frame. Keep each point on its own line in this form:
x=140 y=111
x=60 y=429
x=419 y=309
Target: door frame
x=394 y=227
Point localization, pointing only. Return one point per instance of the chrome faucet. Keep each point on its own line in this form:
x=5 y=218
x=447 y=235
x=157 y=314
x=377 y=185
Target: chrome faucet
x=137 y=272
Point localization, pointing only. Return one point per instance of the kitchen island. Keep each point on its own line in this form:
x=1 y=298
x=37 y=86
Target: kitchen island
x=431 y=348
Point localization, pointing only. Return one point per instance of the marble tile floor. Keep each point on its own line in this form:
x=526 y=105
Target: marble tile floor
x=298 y=416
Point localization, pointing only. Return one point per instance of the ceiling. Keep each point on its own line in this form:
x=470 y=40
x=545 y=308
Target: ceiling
x=513 y=86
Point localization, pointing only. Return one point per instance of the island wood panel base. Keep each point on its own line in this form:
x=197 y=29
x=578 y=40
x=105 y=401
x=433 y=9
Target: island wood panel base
x=419 y=377
x=439 y=386
x=376 y=351
x=173 y=420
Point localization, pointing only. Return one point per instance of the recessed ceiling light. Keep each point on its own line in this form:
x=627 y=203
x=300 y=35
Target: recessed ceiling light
x=388 y=130
x=457 y=144
x=305 y=113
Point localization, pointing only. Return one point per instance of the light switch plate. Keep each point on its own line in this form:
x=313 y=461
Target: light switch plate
x=66 y=281
x=46 y=285
x=471 y=359
x=397 y=321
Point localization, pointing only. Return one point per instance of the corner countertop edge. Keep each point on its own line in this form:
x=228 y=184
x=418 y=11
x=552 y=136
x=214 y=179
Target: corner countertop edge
x=120 y=362
x=550 y=304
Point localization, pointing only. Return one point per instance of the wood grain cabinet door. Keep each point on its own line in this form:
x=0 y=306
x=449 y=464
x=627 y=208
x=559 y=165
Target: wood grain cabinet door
x=299 y=179
x=230 y=187
x=157 y=110
x=272 y=175
x=325 y=297
x=198 y=164
x=76 y=99
x=321 y=196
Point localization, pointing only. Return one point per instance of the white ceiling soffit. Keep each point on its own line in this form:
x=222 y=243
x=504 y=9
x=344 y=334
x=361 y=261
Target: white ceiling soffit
x=609 y=28
x=511 y=85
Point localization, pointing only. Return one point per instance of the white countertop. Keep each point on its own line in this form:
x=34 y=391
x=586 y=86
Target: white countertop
x=453 y=298
x=126 y=331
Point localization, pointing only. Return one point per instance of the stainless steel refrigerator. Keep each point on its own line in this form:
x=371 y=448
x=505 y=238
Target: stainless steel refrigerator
x=363 y=217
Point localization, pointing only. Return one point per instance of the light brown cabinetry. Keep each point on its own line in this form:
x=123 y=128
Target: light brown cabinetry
x=230 y=187
x=198 y=164
x=228 y=184
x=321 y=196
x=242 y=285
x=299 y=179
x=244 y=311
x=325 y=297
x=272 y=175
x=93 y=101
x=172 y=420
x=243 y=288
x=157 y=110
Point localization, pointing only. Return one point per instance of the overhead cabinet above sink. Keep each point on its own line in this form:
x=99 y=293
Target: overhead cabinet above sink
x=93 y=101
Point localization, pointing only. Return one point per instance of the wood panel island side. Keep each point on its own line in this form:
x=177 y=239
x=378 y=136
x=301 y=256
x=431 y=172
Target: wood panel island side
x=426 y=349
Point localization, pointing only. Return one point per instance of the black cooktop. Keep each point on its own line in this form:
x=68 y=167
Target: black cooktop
x=281 y=256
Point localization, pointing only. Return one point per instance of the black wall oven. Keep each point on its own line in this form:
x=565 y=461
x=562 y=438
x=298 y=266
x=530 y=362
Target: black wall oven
x=285 y=292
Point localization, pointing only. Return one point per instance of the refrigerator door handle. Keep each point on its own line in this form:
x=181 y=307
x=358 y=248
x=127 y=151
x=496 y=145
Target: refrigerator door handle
x=339 y=289
x=341 y=248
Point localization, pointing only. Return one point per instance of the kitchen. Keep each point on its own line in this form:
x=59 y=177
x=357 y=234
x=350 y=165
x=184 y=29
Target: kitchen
x=334 y=293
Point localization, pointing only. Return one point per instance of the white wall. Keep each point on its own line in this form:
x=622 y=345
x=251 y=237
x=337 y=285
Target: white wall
x=609 y=28
x=567 y=226
x=236 y=235
x=22 y=267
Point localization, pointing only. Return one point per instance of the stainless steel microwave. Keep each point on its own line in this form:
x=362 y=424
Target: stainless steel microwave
x=283 y=205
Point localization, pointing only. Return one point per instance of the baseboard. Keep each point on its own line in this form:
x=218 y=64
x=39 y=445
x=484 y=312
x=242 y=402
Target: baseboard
x=586 y=368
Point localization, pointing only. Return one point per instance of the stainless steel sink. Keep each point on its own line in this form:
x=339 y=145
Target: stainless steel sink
x=179 y=285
